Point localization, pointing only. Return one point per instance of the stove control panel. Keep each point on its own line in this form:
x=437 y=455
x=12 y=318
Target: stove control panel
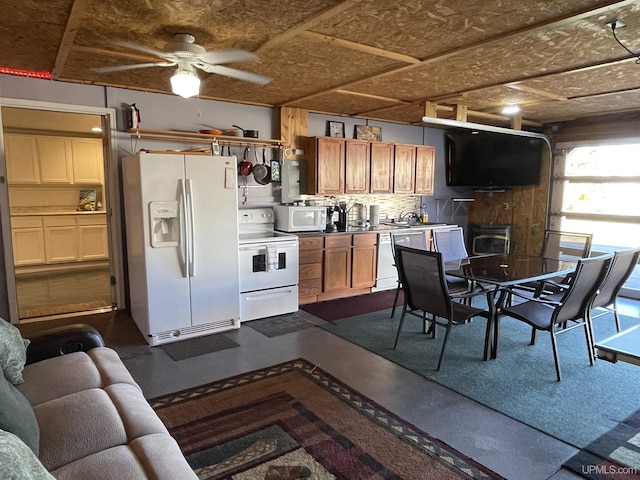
x=255 y=216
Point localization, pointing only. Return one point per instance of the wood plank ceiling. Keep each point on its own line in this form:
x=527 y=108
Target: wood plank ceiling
x=390 y=60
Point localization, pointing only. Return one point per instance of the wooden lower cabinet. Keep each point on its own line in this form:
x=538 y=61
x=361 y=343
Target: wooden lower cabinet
x=336 y=266
x=40 y=240
x=310 y=269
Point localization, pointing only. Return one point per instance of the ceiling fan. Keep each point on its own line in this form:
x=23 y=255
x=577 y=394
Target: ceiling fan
x=188 y=55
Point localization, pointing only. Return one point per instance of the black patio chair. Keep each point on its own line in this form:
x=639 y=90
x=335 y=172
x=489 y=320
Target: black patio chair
x=413 y=239
x=606 y=300
x=450 y=243
x=426 y=292
x=549 y=314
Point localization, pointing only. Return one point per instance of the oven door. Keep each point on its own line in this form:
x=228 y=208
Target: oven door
x=268 y=265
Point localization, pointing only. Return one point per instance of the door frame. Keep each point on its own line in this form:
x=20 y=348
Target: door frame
x=112 y=187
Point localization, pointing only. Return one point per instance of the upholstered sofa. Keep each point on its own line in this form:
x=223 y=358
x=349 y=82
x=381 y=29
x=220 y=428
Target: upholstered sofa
x=79 y=413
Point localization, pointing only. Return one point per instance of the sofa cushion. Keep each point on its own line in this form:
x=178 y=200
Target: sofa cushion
x=74 y=372
x=13 y=352
x=17 y=416
x=152 y=456
x=17 y=460
x=77 y=425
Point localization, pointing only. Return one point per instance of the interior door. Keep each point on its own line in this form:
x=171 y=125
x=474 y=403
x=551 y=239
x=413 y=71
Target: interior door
x=54 y=284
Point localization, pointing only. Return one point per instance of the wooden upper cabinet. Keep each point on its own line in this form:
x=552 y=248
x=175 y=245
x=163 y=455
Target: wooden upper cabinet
x=55 y=158
x=329 y=171
x=22 y=158
x=357 y=166
x=404 y=172
x=381 y=167
x=87 y=160
x=425 y=170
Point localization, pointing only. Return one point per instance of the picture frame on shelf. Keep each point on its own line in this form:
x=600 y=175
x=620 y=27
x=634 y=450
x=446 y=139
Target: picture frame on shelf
x=367 y=132
x=336 y=129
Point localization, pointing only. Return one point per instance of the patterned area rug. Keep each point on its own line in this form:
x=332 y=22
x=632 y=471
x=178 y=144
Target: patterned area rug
x=615 y=455
x=294 y=421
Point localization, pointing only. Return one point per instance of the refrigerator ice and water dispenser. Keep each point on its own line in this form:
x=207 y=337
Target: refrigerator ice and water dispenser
x=165 y=224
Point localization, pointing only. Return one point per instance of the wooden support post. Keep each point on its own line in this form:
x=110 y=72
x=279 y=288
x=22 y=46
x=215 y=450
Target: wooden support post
x=516 y=122
x=294 y=128
x=461 y=112
x=430 y=109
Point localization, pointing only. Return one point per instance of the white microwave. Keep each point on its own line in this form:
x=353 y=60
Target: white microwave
x=290 y=218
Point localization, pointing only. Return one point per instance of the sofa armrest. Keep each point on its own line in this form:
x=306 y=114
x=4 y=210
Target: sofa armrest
x=62 y=340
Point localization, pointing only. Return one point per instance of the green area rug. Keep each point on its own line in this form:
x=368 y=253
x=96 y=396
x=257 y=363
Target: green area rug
x=521 y=382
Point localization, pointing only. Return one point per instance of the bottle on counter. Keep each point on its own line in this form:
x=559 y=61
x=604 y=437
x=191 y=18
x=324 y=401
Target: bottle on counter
x=424 y=216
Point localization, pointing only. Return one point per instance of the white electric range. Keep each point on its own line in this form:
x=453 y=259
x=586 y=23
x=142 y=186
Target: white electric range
x=268 y=266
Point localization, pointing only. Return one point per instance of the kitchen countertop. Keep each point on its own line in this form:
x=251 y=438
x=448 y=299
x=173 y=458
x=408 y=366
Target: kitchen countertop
x=382 y=228
x=57 y=212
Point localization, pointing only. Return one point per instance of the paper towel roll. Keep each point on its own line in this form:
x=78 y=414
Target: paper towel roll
x=374 y=214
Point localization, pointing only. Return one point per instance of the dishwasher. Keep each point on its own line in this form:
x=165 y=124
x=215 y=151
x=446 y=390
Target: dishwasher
x=387 y=277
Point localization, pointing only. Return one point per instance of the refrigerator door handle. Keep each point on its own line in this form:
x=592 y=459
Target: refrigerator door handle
x=184 y=248
x=192 y=230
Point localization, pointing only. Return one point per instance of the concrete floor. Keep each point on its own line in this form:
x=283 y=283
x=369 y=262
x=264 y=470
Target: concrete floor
x=504 y=445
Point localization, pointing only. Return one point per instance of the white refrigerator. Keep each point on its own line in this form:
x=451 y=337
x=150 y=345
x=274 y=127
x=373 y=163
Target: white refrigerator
x=181 y=225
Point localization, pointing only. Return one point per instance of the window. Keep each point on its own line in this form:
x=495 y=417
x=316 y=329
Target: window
x=596 y=189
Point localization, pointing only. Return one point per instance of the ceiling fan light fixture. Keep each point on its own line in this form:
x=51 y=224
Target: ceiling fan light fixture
x=185 y=83
x=510 y=109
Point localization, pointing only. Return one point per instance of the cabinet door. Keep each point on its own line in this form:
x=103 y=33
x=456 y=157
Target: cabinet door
x=363 y=272
x=337 y=269
x=425 y=167
x=54 y=154
x=357 y=168
x=87 y=160
x=92 y=237
x=329 y=166
x=22 y=159
x=381 y=167
x=28 y=246
x=60 y=239
x=404 y=169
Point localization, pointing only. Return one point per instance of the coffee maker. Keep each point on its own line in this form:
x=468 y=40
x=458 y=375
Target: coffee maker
x=330 y=227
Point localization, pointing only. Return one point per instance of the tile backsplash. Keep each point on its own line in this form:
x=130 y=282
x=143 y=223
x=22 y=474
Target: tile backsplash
x=391 y=206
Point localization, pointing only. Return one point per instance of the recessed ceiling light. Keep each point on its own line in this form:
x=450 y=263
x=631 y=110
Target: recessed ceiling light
x=510 y=109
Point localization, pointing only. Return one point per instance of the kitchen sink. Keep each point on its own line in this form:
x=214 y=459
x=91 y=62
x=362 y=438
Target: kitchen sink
x=404 y=224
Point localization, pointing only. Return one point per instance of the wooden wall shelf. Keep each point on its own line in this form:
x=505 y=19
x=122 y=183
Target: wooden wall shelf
x=193 y=137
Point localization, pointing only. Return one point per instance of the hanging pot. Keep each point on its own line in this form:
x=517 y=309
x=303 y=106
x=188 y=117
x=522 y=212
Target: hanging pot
x=245 y=166
x=247 y=133
x=262 y=172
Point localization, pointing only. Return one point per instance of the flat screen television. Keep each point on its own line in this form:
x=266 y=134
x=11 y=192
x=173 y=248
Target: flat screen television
x=483 y=159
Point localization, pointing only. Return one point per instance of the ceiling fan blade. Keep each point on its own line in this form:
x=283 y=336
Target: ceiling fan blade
x=234 y=73
x=228 y=55
x=142 y=48
x=119 y=68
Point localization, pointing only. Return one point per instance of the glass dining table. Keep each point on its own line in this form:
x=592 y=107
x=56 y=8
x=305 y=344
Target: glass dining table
x=494 y=272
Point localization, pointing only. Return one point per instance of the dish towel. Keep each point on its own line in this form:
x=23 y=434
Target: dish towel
x=272 y=258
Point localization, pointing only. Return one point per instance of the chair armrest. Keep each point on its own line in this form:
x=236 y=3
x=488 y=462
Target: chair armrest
x=514 y=292
x=62 y=340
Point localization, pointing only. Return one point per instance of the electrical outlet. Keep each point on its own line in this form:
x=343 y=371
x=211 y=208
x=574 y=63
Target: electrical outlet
x=505 y=206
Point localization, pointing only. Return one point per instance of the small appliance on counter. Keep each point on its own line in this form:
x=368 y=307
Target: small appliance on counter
x=293 y=218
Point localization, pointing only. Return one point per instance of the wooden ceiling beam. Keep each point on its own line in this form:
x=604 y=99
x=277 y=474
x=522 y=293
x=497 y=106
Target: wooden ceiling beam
x=362 y=48
x=69 y=35
x=307 y=24
x=535 y=91
x=373 y=97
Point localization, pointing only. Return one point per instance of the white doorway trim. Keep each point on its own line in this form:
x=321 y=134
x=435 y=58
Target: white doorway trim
x=111 y=185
